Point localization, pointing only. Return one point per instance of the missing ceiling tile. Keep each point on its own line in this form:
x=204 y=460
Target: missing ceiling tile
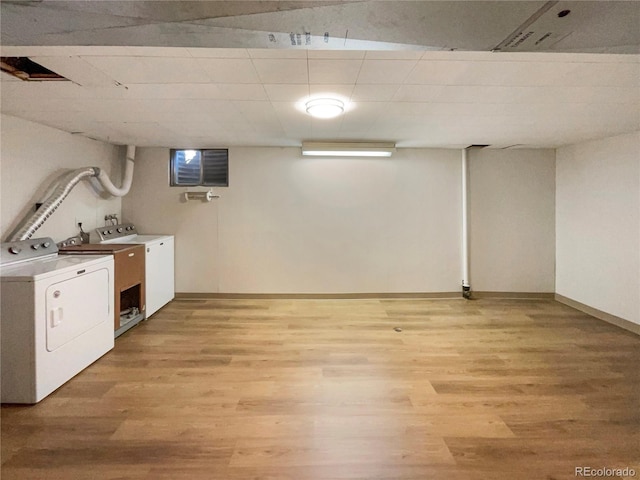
x=26 y=69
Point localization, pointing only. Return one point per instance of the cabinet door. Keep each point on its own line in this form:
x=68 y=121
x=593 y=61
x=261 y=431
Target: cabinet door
x=130 y=267
x=159 y=274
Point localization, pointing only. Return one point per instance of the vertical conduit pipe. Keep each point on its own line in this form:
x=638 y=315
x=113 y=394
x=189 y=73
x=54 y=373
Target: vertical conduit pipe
x=466 y=287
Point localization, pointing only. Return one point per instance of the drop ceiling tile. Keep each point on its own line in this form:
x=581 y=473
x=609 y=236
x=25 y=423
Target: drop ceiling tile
x=467 y=56
x=42 y=91
x=268 y=53
x=13 y=104
x=168 y=70
x=221 y=140
x=385 y=71
x=460 y=94
x=229 y=70
x=114 y=110
x=513 y=73
x=394 y=54
x=230 y=91
x=286 y=93
x=204 y=117
x=293 y=121
x=57 y=119
x=418 y=93
x=282 y=71
x=594 y=95
x=604 y=75
x=257 y=112
x=324 y=71
x=218 y=52
x=128 y=70
x=364 y=112
x=193 y=128
x=324 y=130
x=140 y=133
x=341 y=92
x=373 y=93
x=429 y=72
x=166 y=91
x=336 y=54
x=178 y=52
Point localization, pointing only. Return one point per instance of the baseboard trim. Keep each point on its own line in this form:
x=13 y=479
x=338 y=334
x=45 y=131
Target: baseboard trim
x=514 y=295
x=364 y=296
x=318 y=296
x=599 y=314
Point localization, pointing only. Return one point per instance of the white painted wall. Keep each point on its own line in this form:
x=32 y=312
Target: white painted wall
x=292 y=225
x=33 y=156
x=341 y=225
x=598 y=225
x=511 y=214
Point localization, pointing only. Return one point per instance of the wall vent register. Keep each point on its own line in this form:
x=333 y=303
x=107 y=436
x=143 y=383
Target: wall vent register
x=206 y=167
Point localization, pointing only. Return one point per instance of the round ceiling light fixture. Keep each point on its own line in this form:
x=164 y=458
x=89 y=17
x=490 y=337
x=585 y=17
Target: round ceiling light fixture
x=324 y=107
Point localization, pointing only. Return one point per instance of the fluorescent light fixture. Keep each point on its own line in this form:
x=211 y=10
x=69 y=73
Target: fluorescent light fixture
x=348 y=149
x=324 y=107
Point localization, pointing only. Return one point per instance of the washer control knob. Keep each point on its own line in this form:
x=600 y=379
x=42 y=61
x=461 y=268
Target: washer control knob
x=15 y=250
x=104 y=232
x=46 y=244
x=110 y=232
x=35 y=246
x=119 y=229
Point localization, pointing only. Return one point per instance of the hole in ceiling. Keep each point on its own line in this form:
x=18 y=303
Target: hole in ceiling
x=564 y=13
x=26 y=69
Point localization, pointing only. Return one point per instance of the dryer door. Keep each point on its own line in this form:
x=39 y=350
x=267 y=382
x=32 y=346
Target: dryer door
x=76 y=305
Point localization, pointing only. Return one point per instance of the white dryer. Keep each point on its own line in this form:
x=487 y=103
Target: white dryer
x=159 y=261
x=56 y=317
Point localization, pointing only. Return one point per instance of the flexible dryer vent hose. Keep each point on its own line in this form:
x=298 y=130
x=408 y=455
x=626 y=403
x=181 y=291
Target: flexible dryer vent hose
x=35 y=221
x=66 y=184
x=106 y=183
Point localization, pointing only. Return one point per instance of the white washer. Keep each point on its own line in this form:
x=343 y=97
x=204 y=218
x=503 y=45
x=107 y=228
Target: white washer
x=159 y=261
x=56 y=317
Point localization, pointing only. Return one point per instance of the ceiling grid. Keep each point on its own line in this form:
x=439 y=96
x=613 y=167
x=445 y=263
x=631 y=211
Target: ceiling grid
x=418 y=73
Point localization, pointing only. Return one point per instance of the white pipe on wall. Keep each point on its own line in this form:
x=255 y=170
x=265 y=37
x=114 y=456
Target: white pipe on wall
x=108 y=185
x=466 y=287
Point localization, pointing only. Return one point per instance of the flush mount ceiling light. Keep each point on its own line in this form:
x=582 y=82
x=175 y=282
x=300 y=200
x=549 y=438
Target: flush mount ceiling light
x=348 y=149
x=324 y=107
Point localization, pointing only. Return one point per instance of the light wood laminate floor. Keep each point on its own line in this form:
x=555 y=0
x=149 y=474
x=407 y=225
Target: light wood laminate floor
x=328 y=390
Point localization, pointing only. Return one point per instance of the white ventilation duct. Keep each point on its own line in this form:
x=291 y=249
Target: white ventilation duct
x=466 y=286
x=32 y=223
x=106 y=183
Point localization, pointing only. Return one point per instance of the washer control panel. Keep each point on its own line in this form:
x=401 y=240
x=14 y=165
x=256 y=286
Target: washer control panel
x=112 y=232
x=20 y=251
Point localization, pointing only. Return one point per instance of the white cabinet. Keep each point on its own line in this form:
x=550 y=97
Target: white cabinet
x=160 y=286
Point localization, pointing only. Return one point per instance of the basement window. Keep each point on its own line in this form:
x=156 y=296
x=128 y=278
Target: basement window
x=205 y=167
x=26 y=69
